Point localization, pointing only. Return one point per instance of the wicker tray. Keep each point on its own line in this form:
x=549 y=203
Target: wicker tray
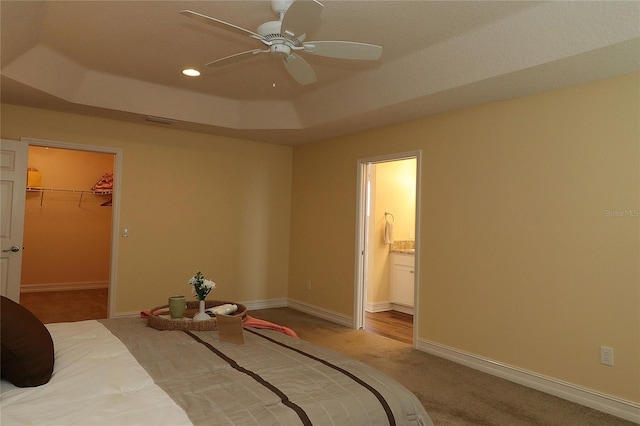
x=165 y=322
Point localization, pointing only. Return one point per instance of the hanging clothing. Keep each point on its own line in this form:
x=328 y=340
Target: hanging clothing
x=104 y=185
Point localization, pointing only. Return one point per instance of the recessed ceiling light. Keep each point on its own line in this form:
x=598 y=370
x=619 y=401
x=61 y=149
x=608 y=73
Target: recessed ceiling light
x=191 y=72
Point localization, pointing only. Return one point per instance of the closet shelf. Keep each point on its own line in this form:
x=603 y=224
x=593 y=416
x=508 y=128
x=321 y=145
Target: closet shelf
x=75 y=191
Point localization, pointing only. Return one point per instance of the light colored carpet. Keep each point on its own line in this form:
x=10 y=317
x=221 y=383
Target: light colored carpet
x=451 y=393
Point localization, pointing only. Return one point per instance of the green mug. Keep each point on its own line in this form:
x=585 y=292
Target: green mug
x=177 y=305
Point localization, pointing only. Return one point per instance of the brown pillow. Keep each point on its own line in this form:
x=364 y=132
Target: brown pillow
x=27 y=348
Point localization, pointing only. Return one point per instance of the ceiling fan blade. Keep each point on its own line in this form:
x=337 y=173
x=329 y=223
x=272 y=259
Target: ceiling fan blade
x=343 y=49
x=217 y=22
x=299 y=69
x=235 y=58
x=301 y=16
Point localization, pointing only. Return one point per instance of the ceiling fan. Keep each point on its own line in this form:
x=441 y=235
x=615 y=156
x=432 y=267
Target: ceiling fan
x=285 y=38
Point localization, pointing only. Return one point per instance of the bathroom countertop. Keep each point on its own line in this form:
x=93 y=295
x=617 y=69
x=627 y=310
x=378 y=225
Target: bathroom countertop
x=403 y=251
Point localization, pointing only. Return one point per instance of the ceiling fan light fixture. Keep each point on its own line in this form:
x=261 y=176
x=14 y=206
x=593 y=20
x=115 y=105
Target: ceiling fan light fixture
x=281 y=50
x=190 y=72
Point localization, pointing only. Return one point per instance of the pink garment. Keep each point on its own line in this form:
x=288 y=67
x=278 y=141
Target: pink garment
x=145 y=313
x=104 y=185
x=258 y=323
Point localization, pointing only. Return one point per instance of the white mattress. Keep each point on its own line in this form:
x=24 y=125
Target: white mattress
x=120 y=391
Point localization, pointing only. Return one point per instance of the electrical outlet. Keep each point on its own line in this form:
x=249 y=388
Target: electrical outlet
x=606 y=355
x=308 y=284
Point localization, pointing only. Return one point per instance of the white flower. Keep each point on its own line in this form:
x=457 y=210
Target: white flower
x=201 y=286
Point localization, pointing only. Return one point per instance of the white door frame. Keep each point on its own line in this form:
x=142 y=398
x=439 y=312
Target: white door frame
x=361 y=200
x=115 y=216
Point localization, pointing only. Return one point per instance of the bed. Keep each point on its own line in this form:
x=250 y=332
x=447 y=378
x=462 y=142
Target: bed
x=120 y=371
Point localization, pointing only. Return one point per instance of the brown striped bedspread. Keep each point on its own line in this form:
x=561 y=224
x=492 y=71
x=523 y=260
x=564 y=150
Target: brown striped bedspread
x=273 y=379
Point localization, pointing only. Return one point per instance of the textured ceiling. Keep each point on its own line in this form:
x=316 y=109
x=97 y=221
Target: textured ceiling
x=122 y=60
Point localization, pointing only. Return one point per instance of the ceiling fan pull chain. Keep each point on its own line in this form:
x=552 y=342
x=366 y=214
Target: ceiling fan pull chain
x=274 y=74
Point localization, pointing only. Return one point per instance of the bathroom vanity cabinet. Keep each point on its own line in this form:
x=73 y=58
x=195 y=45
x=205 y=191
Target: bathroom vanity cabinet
x=402 y=279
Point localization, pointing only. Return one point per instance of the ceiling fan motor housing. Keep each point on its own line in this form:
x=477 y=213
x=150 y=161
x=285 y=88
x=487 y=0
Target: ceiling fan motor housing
x=270 y=29
x=278 y=44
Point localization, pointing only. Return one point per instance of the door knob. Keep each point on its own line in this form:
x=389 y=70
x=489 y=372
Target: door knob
x=14 y=249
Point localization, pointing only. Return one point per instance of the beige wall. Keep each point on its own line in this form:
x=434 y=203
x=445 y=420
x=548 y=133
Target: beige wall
x=396 y=193
x=191 y=201
x=67 y=235
x=520 y=261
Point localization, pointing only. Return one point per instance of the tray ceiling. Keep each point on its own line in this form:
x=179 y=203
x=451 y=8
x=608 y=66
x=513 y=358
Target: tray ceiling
x=123 y=60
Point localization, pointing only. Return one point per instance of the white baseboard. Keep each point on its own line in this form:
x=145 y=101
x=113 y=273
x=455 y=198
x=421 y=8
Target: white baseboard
x=321 y=313
x=42 y=287
x=618 y=407
x=126 y=314
x=378 y=306
x=402 y=308
x=388 y=306
x=265 y=304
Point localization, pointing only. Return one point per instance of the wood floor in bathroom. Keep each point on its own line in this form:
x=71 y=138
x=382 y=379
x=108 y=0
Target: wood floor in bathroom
x=392 y=324
x=65 y=306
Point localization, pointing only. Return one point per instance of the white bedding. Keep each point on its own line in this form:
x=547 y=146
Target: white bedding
x=120 y=392
x=122 y=372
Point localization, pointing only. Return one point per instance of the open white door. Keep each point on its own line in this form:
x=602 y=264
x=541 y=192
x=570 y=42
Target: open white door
x=13 y=173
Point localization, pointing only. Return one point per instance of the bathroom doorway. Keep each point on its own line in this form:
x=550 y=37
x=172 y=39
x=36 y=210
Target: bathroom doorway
x=387 y=249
